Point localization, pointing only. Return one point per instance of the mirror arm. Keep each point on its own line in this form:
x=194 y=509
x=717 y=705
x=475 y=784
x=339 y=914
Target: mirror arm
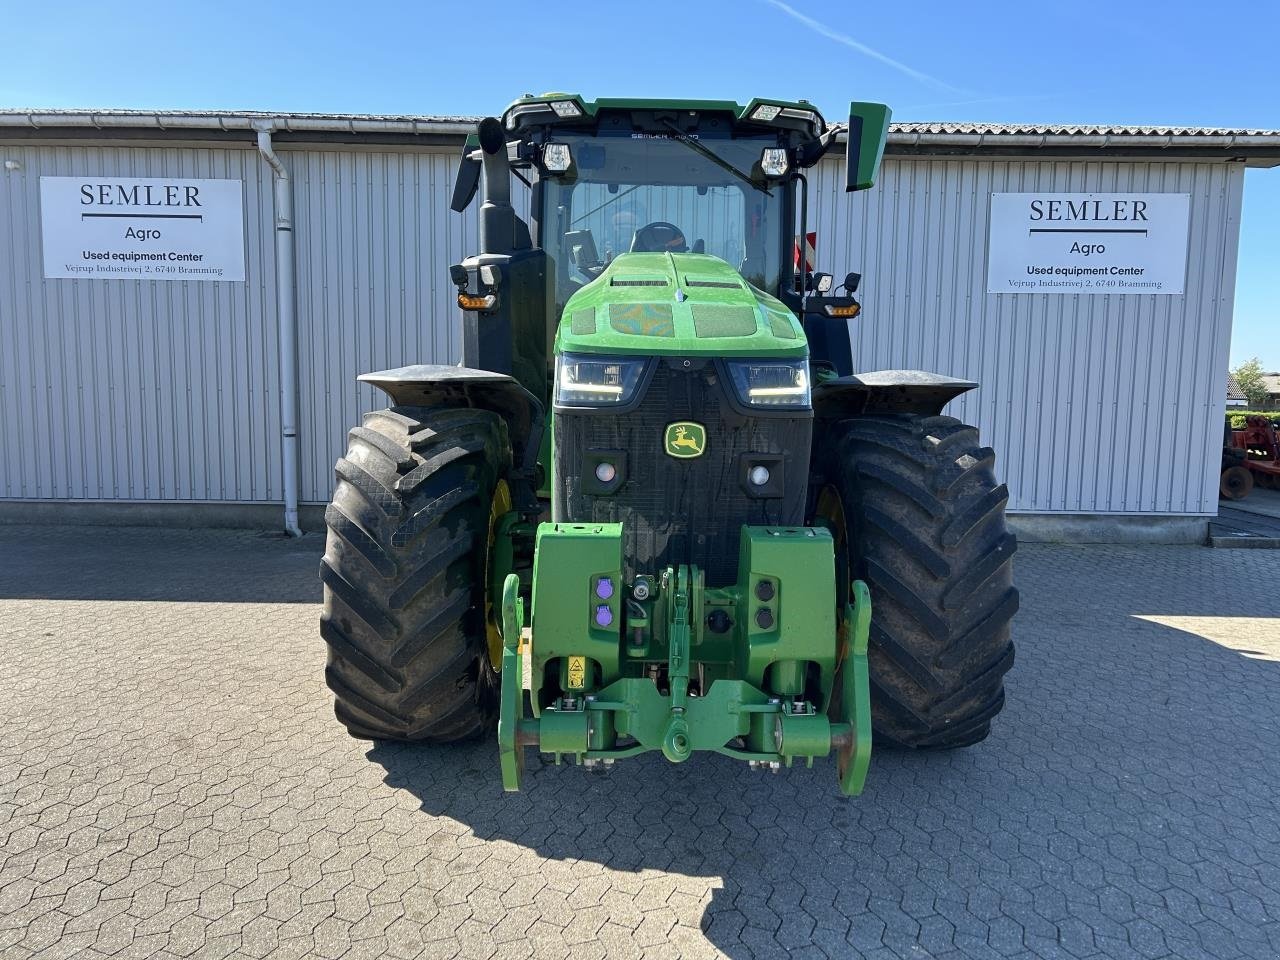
x=811 y=151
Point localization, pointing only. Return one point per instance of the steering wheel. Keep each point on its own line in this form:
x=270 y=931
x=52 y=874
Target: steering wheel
x=659 y=237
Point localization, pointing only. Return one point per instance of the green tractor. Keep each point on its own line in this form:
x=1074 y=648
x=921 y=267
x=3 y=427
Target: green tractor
x=728 y=500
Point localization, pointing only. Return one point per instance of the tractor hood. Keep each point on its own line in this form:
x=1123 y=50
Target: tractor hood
x=677 y=304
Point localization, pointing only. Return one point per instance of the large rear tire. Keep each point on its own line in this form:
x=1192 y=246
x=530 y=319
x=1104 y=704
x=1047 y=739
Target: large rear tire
x=917 y=513
x=404 y=574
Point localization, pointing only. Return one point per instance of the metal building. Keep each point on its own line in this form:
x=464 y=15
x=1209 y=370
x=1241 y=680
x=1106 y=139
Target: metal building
x=153 y=393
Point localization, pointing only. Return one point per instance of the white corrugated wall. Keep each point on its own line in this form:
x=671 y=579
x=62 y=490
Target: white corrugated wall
x=166 y=390
x=375 y=238
x=1094 y=403
x=130 y=389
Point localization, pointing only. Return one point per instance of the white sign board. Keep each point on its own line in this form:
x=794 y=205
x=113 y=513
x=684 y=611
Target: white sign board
x=170 y=228
x=1088 y=242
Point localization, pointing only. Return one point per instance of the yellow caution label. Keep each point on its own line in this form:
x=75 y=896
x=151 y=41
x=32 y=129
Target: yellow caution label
x=577 y=673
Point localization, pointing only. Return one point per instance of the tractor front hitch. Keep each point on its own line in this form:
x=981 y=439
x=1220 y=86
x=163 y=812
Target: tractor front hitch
x=630 y=715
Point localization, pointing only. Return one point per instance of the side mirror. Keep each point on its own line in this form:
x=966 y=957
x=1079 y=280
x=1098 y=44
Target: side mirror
x=868 y=132
x=464 y=187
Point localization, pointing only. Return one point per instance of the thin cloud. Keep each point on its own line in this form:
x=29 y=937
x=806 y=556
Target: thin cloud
x=821 y=28
x=1030 y=98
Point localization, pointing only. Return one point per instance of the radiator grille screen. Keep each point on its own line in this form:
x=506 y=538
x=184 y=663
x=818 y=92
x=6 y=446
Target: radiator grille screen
x=681 y=510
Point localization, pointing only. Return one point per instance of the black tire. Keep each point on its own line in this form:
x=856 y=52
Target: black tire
x=404 y=574
x=923 y=524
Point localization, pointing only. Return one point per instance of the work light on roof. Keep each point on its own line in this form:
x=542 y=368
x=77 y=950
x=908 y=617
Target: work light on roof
x=773 y=161
x=556 y=157
x=566 y=109
x=765 y=112
x=808 y=116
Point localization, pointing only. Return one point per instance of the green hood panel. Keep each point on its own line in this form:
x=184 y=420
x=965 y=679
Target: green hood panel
x=671 y=304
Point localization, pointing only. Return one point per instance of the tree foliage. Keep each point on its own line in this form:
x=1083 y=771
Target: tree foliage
x=1249 y=377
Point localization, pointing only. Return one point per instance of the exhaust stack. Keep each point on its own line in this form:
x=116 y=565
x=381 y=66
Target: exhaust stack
x=497 y=216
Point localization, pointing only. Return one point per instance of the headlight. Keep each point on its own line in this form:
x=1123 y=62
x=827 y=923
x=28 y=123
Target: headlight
x=771 y=383
x=587 y=381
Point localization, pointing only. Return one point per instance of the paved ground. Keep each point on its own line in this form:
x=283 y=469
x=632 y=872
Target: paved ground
x=1260 y=501
x=172 y=784
x=1253 y=521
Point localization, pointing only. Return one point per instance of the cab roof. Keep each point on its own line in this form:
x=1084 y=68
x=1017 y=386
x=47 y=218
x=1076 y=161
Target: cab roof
x=572 y=109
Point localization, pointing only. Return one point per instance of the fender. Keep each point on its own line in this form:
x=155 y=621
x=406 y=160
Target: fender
x=428 y=384
x=886 y=391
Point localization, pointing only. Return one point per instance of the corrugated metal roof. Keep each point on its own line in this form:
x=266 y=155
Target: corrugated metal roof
x=948 y=136
x=236 y=118
x=76 y=112
x=1075 y=130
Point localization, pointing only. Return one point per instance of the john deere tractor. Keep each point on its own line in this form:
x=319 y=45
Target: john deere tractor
x=654 y=508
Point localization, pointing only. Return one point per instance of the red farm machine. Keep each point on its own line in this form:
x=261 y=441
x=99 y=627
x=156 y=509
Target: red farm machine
x=1250 y=456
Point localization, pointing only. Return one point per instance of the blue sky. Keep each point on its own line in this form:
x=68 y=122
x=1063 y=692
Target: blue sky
x=1089 y=61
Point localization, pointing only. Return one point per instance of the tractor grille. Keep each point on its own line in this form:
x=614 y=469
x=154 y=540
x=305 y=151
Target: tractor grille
x=681 y=511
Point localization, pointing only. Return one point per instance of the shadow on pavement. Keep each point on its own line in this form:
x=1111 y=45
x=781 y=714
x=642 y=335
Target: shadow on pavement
x=147 y=563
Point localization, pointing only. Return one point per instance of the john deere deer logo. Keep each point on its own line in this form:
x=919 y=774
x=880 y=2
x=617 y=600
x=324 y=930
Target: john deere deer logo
x=686 y=439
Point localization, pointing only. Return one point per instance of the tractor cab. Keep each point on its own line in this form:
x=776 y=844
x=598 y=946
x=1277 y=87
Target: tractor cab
x=624 y=179
x=712 y=178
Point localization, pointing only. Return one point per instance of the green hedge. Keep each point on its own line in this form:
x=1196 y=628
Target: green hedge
x=1236 y=417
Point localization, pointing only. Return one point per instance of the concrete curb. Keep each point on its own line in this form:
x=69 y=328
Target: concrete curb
x=1108 y=528
x=1244 y=541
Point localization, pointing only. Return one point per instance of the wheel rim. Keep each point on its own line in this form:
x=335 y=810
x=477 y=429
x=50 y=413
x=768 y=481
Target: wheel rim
x=499 y=507
x=1236 y=483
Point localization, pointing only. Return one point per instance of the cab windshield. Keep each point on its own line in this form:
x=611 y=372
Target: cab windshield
x=655 y=193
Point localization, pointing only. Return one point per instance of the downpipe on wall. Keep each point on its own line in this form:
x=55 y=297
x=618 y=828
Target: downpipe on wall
x=286 y=317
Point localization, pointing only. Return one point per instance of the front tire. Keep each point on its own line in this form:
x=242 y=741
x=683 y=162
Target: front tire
x=404 y=574
x=917 y=514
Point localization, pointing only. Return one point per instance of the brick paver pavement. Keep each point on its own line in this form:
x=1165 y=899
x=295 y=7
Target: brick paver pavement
x=172 y=783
